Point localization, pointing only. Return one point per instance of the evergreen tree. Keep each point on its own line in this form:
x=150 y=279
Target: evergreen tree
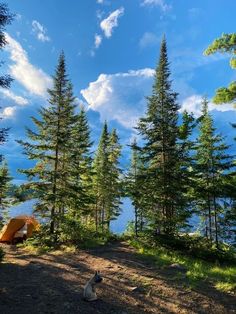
x=5 y=19
x=186 y=167
x=4 y=188
x=107 y=179
x=101 y=178
x=50 y=146
x=81 y=167
x=225 y=44
x=5 y=80
x=135 y=187
x=212 y=163
x=114 y=153
x=160 y=131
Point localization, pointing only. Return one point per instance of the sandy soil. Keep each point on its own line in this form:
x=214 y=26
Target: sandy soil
x=53 y=283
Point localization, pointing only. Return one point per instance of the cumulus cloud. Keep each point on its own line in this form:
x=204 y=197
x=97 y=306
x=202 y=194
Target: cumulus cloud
x=193 y=104
x=148 y=39
x=97 y=40
x=120 y=96
x=100 y=1
x=32 y=78
x=8 y=112
x=17 y=99
x=160 y=3
x=111 y=21
x=40 y=31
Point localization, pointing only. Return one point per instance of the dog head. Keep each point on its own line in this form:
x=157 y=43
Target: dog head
x=97 y=277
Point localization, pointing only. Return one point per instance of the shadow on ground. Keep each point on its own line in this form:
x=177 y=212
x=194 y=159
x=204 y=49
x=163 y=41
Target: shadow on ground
x=53 y=283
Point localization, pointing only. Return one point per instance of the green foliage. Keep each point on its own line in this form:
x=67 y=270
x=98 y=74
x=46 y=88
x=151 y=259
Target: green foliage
x=2 y=254
x=5 y=80
x=225 y=44
x=5 y=19
x=212 y=166
x=223 y=277
x=4 y=188
x=80 y=167
x=163 y=177
x=49 y=146
x=107 y=185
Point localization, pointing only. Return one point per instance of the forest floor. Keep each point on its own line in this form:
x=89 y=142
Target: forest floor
x=53 y=283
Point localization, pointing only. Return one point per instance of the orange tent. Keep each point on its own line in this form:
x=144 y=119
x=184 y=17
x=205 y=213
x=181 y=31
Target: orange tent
x=14 y=226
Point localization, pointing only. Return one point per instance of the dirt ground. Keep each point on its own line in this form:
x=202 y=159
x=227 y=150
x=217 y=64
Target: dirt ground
x=53 y=283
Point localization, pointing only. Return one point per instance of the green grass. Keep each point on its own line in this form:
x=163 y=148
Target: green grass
x=222 y=277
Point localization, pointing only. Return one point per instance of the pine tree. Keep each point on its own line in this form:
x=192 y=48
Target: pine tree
x=81 y=167
x=212 y=163
x=5 y=80
x=50 y=147
x=114 y=153
x=107 y=179
x=225 y=44
x=5 y=19
x=160 y=131
x=101 y=179
x=136 y=187
x=186 y=168
x=4 y=188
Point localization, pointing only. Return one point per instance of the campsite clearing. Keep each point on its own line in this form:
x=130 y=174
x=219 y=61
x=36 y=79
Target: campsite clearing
x=53 y=283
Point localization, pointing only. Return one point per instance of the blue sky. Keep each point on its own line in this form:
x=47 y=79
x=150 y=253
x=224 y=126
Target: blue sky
x=111 y=49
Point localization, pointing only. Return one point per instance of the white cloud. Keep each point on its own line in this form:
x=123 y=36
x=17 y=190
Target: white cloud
x=111 y=21
x=32 y=78
x=8 y=112
x=100 y=1
x=193 y=104
x=97 y=40
x=120 y=96
x=160 y=3
x=148 y=39
x=40 y=31
x=17 y=99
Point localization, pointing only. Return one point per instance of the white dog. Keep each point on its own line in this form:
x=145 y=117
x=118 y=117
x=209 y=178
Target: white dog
x=89 y=288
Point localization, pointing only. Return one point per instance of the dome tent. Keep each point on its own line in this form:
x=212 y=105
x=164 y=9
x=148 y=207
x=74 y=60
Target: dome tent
x=18 y=227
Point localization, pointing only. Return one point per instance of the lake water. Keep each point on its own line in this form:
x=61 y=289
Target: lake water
x=117 y=226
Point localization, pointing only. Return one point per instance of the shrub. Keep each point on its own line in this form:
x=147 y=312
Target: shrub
x=196 y=246
x=1 y=254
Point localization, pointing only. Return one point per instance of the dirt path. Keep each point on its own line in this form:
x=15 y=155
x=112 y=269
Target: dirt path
x=53 y=283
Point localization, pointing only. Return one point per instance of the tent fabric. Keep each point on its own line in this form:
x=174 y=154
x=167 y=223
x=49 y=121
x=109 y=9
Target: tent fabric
x=15 y=224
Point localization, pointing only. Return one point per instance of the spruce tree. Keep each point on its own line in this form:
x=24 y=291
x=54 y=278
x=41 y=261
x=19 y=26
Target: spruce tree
x=160 y=132
x=5 y=80
x=50 y=146
x=4 y=189
x=186 y=168
x=107 y=184
x=114 y=153
x=81 y=167
x=5 y=19
x=136 y=187
x=101 y=179
x=212 y=164
x=225 y=44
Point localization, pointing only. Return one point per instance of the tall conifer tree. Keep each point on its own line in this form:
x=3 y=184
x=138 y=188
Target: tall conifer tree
x=160 y=131
x=212 y=163
x=81 y=167
x=107 y=179
x=4 y=188
x=50 y=147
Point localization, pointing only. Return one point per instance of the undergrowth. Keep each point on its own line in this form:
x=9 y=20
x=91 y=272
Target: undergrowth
x=221 y=275
x=1 y=254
